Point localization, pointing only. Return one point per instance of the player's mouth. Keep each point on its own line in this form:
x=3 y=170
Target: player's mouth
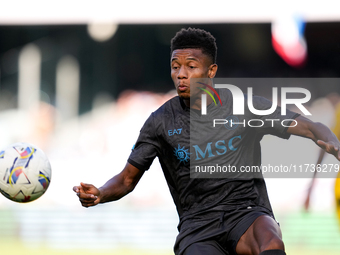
x=182 y=87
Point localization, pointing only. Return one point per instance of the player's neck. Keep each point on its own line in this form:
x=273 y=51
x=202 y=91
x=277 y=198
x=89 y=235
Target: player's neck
x=197 y=103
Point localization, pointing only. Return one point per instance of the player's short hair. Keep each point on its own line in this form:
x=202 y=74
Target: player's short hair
x=195 y=38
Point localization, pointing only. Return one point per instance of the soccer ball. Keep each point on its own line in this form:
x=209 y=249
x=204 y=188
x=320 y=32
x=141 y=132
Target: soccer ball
x=25 y=172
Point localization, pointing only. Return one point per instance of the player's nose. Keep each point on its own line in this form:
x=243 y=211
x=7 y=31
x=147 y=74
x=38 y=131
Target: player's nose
x=182 y=73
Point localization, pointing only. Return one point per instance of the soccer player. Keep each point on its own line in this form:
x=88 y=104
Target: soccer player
x=217 y=215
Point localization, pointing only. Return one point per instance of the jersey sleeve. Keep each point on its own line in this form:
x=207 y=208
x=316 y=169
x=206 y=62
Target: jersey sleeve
x=274 y=123
x=147 y=146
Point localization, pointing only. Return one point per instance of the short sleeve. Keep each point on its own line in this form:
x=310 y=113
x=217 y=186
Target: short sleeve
x=147 y=146
x=275 y=123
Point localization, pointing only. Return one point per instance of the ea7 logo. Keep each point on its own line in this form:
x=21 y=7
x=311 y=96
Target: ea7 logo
x=175 y=131
x=238 y=100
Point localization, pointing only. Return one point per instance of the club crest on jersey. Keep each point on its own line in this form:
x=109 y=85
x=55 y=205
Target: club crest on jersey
x=182 y=154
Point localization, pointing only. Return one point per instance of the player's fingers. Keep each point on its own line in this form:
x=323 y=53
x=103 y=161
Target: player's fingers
x=334 y=149
x=77 y=189
x=87 y=197
x=337 y=152
x=86 y=186
x=86 y=201
x=89 y=204
x=322 y=144
x=330 y=147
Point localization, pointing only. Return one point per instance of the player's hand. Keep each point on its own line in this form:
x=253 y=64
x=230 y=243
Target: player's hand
x=330 y=147
x=88 y=194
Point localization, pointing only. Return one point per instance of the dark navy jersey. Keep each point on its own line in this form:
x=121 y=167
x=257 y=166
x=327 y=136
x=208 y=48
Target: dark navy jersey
x=180 y=137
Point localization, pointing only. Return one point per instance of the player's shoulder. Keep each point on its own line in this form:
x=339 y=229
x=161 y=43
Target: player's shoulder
x=226 y=97
x=163 y=115
x=170 y=106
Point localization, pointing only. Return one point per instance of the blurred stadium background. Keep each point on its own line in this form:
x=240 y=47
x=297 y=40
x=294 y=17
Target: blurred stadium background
x=79 y=81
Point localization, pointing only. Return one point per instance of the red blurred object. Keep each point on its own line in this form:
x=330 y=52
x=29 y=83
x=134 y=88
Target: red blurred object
x=288 y=41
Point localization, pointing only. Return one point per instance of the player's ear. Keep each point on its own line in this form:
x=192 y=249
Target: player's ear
x=212 y=70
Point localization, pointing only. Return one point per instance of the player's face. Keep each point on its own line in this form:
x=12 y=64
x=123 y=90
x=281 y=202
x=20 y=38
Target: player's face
x=187 y=64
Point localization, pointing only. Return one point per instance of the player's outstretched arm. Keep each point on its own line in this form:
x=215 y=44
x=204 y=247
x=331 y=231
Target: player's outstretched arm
x=114 y=189
x=323 y=137
x=319 y=133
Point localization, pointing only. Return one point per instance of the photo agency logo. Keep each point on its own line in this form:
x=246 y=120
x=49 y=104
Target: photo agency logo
x=226 y=122
x=204 y=97
x=238 y=105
